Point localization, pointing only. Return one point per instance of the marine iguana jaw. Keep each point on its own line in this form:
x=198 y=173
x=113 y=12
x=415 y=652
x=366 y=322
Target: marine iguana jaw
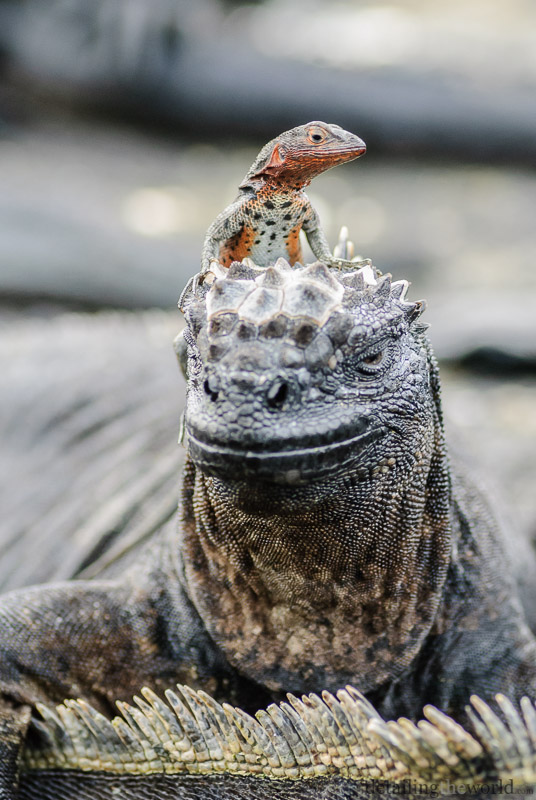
x=295 y=466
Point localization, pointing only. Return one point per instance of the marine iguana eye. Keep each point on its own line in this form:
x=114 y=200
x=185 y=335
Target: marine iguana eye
x=374 y=358
x=374 y=361
x=316 y=135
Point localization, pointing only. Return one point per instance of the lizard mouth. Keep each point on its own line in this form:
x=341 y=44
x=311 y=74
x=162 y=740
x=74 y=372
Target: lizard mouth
x=291 y=467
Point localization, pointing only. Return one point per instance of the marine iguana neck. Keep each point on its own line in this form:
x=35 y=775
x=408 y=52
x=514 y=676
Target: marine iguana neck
x=350 y=569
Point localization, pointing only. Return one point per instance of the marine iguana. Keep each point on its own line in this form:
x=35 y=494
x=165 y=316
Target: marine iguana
x=323 y=539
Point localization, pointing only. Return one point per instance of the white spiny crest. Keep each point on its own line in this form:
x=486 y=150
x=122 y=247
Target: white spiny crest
x=258 y=295
x=340 y=735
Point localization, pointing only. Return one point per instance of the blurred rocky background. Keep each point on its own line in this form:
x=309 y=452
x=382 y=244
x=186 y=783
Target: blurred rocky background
x=126 y=126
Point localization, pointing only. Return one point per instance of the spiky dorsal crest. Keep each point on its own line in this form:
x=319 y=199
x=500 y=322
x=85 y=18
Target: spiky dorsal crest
x=315 y=291
x=264 y=297
x=333 y=735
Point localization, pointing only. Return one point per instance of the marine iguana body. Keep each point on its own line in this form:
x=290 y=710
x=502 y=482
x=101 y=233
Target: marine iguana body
x=323 y=539
x=265 y=220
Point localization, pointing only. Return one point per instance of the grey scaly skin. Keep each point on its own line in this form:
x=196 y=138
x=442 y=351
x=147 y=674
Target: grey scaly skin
x=323 y=540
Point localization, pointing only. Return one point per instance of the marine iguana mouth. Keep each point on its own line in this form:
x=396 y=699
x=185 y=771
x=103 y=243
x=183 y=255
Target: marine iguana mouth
x=294 y=467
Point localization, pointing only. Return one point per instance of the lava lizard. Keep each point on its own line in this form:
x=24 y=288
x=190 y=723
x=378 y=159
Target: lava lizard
x=265 y=220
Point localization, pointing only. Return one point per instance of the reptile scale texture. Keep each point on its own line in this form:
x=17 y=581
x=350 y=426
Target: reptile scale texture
x=324 y=541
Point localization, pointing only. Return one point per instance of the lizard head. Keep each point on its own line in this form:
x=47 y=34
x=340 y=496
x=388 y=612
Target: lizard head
x=298 y=155
x=299 y=374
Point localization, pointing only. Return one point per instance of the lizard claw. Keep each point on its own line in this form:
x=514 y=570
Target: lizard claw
x=345 y=263
x=343 y=254
x=196 y=280
x=206 y=264
x=341 y=263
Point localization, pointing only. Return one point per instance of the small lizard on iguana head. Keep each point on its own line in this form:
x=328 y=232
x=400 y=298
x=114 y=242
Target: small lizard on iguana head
x=265 y=220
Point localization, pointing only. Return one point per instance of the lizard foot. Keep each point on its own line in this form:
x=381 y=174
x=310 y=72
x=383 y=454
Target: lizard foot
x=344 y=263
x=343 y=254
x=196 y=280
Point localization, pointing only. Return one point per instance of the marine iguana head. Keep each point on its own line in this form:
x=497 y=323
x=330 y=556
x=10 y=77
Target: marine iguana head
x=296 y=375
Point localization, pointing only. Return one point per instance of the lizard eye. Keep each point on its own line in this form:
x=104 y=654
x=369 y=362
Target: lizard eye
x=374 y=358
x=368 y=365
x=316 y=135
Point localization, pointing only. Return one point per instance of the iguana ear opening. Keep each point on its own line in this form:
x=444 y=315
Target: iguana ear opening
x=276 y=160
x=274 y=163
